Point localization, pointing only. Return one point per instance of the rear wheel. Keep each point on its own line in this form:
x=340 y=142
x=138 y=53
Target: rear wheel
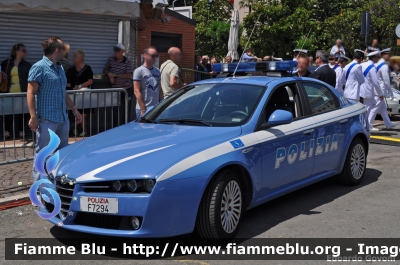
x=221 y=208
x=356 y=162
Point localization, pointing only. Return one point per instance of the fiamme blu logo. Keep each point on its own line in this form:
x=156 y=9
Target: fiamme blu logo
x=46 y=160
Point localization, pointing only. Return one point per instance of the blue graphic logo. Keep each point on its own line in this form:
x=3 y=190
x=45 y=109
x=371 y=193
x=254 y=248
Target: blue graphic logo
x=46 y=160
x=237 y=143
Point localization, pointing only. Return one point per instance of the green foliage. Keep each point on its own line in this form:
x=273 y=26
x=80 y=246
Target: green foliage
x=285 y=24
x=212 y=27
x=218 y=36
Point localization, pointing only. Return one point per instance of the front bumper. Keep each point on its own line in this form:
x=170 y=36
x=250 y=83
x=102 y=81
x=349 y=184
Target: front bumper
x=170 y=210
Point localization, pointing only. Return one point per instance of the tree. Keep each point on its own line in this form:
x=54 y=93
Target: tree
x=282 y=28
x=384 y=18
x=246 y=4
x=285 y=24
x=218 y=17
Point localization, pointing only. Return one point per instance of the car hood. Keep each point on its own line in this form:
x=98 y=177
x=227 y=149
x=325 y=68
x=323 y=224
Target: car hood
x=137 y=150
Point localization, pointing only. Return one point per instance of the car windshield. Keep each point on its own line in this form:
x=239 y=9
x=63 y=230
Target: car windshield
x=207 y=105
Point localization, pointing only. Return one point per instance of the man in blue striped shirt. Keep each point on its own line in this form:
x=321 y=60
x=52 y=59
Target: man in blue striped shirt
x=47 y=81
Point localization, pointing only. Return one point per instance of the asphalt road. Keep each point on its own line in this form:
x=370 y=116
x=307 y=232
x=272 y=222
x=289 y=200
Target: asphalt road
x=323 y=210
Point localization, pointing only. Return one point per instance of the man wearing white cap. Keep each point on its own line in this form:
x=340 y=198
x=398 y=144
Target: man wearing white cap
x=352 y=77
x=338 y=68
x=371 y=91
x=297 y=52
x=383 y=73
x=384 y=82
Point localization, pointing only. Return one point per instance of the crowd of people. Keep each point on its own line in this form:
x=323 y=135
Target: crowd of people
x=369 y=78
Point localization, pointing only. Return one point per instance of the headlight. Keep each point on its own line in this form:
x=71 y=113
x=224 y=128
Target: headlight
x=116 y=185
x=132 y=185
x=149 y=184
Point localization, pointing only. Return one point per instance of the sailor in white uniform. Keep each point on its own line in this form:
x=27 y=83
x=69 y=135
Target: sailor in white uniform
x=352 y=77
x=383 y=73
x=371 y=91
x=338 y=68
x=384 y=81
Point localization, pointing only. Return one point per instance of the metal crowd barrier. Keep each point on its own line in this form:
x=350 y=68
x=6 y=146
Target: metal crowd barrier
x=189 y=75
x=103 y=108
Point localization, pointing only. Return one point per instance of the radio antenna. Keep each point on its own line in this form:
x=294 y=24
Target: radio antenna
x=245 y=48
x=306 y=39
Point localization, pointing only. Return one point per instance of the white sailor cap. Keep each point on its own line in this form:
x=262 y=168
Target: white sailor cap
x=300 y=51
x=357 y=50
x=387 y=50
x=373 y=53
x=344 y=57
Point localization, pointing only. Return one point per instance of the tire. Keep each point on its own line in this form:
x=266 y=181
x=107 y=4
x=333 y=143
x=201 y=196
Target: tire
x=210 y=223
x=355 y=165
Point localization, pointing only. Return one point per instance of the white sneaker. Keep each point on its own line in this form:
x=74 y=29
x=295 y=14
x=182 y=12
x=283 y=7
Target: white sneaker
x=374 y=130
x=394 y=124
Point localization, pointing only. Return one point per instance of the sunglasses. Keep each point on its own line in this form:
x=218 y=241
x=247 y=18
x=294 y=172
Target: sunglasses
x=117 y=50
x=154 y=56
x=331 y=59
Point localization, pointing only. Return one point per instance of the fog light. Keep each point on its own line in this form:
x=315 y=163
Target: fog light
x=149 y=185
x=132 y=185
x=135 y=223
x=117 y=185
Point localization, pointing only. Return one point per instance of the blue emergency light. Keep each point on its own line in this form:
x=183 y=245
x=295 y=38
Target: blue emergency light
x=264 y=66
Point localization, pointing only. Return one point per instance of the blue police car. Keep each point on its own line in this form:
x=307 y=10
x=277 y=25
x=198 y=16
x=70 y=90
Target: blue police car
x=209 y=152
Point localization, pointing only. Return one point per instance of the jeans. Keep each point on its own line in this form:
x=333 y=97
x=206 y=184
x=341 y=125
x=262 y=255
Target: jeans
x=43 y=138
x=138 y=113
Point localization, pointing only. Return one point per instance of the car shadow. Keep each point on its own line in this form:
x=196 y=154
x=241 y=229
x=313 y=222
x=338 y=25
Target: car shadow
x=301 y=202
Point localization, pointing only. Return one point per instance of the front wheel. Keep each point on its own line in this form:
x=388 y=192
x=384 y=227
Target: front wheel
x=356 y=162
x=221 y=208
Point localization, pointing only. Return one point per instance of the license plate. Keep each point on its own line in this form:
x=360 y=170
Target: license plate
x=99 y=205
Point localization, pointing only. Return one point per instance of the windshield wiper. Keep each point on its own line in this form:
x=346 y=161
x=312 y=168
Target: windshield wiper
x=147 y=120
x=186 y=121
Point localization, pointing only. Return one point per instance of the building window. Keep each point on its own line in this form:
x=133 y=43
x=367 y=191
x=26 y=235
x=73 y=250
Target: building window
x=164 y=41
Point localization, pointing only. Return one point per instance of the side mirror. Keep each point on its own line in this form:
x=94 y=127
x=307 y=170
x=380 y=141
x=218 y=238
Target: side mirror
x=280 y=117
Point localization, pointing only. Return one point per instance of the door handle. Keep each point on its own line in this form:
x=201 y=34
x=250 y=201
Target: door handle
x=343 y=121
x=308 y=132
x=245 y=151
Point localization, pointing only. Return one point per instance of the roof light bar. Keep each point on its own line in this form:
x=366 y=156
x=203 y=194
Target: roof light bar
x=267 y=66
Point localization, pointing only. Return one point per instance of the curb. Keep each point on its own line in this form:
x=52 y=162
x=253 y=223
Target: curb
x=17 y=196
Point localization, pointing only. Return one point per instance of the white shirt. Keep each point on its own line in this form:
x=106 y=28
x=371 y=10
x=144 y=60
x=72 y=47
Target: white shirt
x=371 y=87
x=353 y=82
x=384 y=79
x=338 y=72
x=335 y=49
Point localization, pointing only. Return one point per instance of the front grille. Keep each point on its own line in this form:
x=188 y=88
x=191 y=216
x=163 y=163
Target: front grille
x=65 y=192
x=99 y=220
x=49 y=206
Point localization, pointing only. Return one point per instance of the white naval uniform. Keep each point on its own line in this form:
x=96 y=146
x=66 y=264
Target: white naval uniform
x=354 y=79
x=384 y=78
x=384 y=82
x=370 y=91
x=338 y=70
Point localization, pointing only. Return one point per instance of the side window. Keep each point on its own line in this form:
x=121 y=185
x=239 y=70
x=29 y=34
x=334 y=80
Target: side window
x=321 y=98
x=283 y=98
